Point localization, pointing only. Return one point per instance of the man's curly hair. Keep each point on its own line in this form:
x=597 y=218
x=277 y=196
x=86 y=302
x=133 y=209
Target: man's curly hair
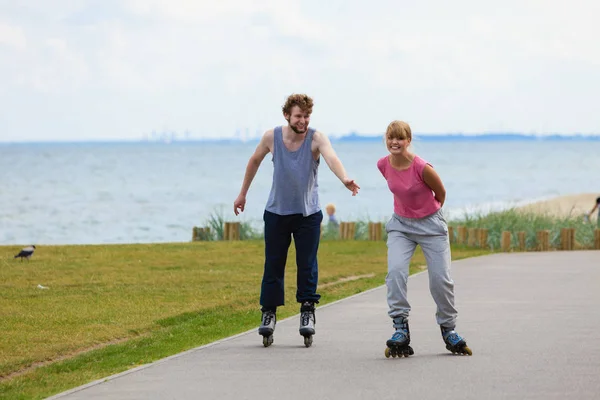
x=301 y=100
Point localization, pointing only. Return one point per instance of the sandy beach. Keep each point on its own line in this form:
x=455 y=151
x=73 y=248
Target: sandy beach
x=575 y=205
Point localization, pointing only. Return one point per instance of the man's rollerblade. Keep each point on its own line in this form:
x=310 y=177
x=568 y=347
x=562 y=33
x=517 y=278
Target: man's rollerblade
x=267 y=327
x=307 y=322
x=398 y=344
x=454 y=342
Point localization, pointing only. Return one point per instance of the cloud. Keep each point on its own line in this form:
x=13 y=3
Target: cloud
x=12 y=36
x=214 y=68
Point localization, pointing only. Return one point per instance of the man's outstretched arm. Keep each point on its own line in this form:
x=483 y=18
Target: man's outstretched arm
x=335 y=164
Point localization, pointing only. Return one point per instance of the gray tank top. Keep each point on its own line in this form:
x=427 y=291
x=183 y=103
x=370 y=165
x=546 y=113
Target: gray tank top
x=295 y=187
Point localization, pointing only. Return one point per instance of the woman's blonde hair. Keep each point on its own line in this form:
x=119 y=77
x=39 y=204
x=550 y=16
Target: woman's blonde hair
x=398 y=130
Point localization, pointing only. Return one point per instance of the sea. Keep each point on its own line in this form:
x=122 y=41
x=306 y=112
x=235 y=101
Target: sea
x=155 y=192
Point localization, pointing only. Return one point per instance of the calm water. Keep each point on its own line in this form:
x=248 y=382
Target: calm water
x=150 y=192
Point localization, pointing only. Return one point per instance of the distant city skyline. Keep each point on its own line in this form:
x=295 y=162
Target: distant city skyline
x=174 y=137
x=118 y=70
x=245 y=135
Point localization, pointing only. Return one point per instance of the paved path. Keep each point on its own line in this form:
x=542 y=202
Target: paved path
x=532 y=320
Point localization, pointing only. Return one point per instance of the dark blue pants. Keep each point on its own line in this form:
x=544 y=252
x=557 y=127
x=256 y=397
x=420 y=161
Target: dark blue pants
x=279 y=230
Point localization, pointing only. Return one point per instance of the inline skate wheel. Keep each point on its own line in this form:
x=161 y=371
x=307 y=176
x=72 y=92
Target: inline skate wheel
x=267 y=340
x=398 y=352
x=308 y=341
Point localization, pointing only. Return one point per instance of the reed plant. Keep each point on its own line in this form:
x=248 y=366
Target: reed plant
x=514 y=220
x=332 y=232
x=216 y=222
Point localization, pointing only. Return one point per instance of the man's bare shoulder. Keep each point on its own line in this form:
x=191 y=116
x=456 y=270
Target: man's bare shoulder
x=318 y=135
x=267 y=140
x=320 y=138
x=268 y=135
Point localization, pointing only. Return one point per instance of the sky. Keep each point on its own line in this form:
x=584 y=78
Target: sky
x=74 y=70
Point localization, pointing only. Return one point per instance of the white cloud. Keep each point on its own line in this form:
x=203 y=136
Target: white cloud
x=12 y=36
x=214 y=67
x=191 y=11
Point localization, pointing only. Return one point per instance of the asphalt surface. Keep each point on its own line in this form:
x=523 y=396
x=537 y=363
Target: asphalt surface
x=531 y=319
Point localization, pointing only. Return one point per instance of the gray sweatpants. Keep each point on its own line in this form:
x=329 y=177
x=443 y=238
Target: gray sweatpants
x=431 y=233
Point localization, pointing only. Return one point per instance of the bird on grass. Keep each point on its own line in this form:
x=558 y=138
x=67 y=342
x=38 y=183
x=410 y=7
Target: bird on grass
x=26 y=252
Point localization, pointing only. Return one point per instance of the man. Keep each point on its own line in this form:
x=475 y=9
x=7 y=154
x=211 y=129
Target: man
x=292 y=210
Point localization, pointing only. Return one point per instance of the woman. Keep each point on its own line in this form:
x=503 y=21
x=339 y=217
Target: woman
x=419 y=195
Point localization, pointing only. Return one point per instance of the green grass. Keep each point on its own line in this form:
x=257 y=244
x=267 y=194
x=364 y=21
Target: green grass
x=113 y=307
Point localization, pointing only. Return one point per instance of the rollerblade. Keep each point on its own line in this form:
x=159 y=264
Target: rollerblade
x=398 y=344
x=454 y=342
x=307 y=322
x=267 y=327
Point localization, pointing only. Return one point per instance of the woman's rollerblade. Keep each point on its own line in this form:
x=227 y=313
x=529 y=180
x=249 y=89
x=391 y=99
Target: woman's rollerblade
x=398 y=344
x=267 y=327
x=307 y=322
x=454 y=342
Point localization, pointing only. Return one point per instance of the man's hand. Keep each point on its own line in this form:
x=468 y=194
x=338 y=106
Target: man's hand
x=352 y=186
x=239 y=204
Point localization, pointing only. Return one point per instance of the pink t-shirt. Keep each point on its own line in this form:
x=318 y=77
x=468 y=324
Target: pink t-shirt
x=412 y=197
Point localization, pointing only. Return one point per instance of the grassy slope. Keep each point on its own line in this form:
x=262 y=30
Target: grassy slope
x=112 y=307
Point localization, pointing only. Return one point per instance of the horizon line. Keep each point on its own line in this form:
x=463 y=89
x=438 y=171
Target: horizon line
x=352 y=136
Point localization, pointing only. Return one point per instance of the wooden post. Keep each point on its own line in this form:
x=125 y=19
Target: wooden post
x=505 y=241
x=483 y=238
x=226 y=229
x=204 y=233
x=451 y=234
x=231 y=231
x=374 y=230
x=347 y=230
x=597 y=239
x=564 y=239
x=351 y=230
x=236 y=230
x=472 y=238
x=543 y=238
x=200 y=233
x=567 y=238
x=522 y=245
x=462 y=235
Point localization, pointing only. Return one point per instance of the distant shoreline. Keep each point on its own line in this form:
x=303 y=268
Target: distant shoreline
x=352 y=137
x=574 y=205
